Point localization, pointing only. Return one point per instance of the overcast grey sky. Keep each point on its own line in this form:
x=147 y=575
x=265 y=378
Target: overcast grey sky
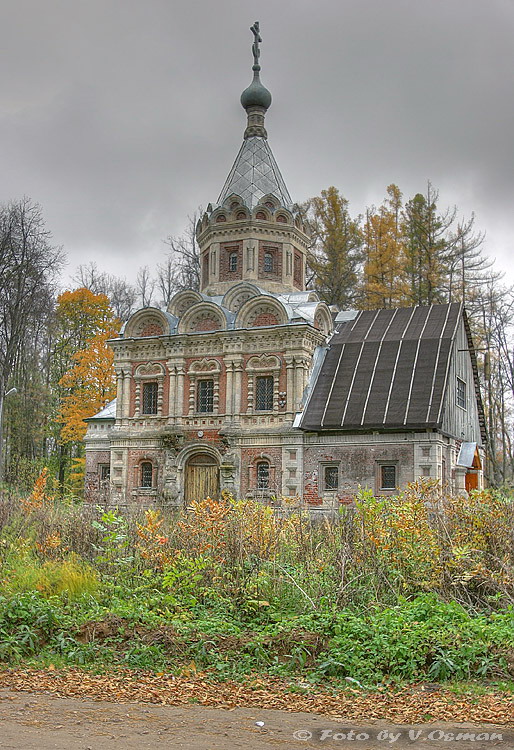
x=121 y=116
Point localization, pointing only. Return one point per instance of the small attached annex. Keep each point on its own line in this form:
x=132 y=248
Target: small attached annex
x=396 y=398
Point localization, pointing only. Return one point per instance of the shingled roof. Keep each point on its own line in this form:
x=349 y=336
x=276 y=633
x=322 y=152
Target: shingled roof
x=385 y=369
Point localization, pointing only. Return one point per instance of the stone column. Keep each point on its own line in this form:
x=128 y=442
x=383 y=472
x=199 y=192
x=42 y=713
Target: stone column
x=172 y=392
x=290 y=407
x=126 y=394
x=237 y=388
x=228 y=389
x=181 y=374
x=160 y=395
x=119 y=394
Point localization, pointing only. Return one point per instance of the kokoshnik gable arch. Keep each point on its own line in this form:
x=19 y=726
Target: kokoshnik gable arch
x=253 y=385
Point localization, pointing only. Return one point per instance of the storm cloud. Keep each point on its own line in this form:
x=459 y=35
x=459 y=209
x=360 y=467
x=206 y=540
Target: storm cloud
x=121 y=117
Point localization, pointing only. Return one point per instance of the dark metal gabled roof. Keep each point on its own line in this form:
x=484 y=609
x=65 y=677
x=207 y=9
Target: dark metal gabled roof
x=385 y=369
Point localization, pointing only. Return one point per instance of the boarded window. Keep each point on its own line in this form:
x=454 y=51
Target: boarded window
x=205 y=396
x=149 y=398
x=331 y=478
x=146 y=474
x=264 y=393
x=388 y=477
x=461 y=393
x=263 y=475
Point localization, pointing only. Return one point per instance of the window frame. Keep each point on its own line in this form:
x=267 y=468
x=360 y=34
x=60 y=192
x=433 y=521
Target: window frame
x=327 y=467
x=269 y=392
x=104 y=472
x=154 y=386
x=142 y=480
x=233 y=261
x=268 y=259
x=387 y=465
x=263 y=482
x=200 y=384
x=461 y=394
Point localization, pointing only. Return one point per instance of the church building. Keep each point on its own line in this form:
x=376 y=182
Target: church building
x=255 y=386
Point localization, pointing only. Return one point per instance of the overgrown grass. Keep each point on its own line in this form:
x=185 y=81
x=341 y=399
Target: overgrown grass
x=418 y=587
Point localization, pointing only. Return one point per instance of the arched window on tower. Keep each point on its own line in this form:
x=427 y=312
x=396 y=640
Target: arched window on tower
x=232 y=262
x=268 y=263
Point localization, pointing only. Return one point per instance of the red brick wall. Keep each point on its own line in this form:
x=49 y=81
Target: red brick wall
x=153 y=329
x=276 y=250
x=282 y=380
x=298 y=271
x=165 y=388
x=357 y=467
x=96 y=491
x=249 y=459
x=222 y=382
x=207 y=324
x=205 y=268
x=226 y=250
x=135 y=459
x=265 y=319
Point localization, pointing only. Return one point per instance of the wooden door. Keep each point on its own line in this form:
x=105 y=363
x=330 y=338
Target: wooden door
x=471 y=481
x=201 y=478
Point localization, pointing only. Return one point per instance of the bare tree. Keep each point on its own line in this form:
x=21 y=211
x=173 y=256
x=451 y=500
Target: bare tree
x=181 y=269
x=28 y=267
x=145 y=286
x=166 y=281
x=122 y=295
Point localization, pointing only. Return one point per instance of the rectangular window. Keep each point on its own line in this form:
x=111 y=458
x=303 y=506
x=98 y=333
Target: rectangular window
x=461 y=393
x=232 y=262
x=264 y=393
x=263 y=475
x=330 y=478
x=149 y=398
x=388 y=477
x=205 y=396
x=268 y=262
x=146 y=475
x=105 y=472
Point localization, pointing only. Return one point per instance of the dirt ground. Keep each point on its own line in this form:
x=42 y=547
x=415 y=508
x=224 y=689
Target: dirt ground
x=37 y=721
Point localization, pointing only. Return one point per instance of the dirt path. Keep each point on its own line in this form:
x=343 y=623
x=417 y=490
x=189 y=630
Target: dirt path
x=36 y=721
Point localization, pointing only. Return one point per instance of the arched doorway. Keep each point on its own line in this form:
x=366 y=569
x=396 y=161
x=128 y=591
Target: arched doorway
x=202 y=478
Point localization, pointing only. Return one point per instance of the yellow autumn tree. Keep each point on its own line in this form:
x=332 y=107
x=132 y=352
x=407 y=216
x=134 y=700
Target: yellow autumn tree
x=88 y=382
x=384 y=272
x=335 y=256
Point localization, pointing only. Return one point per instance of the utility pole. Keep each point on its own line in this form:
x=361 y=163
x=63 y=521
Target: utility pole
x=3 y=396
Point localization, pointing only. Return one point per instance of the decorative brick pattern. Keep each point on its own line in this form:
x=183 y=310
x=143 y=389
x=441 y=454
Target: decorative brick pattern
x=205 y=268
x=298 y=271
x=265 y=319
x=226 y=250
x=206 y=324
x=276 y=251
x=152 y=329
x=249 y=459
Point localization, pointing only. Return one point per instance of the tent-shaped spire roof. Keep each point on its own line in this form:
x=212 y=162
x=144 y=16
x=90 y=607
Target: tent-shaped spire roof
x=255 y=172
